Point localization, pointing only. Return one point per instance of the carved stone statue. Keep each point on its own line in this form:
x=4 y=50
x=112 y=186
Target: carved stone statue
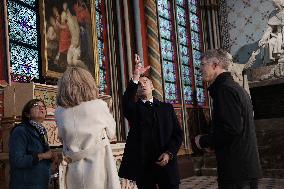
x=272 y=39
x=238 y=71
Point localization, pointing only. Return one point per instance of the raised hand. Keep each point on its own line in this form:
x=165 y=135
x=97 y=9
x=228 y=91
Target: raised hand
x=139 y=68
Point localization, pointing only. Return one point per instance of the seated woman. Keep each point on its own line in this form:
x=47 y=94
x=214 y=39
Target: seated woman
x=29 y=152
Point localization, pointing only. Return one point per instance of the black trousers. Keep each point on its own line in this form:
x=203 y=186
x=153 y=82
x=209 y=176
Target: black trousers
x=154 y=177
x=247 y=184
x=148 y=185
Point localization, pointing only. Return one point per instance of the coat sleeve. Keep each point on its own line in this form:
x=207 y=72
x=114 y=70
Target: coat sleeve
x=176 y=136
x=110 y=122
x=128 y=101
x=18 y=155
x=227 y=119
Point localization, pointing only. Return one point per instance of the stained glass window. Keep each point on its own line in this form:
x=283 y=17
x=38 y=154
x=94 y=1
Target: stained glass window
x=102 y=48
x=23 y=39
x=25 y=63
x=169 y=65
x=189 y=50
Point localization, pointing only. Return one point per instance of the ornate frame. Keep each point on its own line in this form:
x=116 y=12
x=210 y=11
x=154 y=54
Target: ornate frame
x=47 y=68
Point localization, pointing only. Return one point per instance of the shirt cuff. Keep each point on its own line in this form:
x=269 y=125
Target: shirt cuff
x=135 y=81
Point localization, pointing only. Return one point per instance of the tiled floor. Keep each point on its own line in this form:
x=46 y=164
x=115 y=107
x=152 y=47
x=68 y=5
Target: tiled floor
x=205 y=182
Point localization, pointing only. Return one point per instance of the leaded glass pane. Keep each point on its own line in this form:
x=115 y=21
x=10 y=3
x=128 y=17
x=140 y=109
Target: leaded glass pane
x=184 y=51
x=103 y=84
x=99 y=24
x=171 y=92
x=164 y=8
x=29 y=2
x=24 y=63
x=196 y=58
x=167 y=49
x=98 y=4
x=22 y=24
x=181 y=16
x=200 y=96
x=195 y=39
x=198 y=77
x=180 y=2
x=183 y=35
x=169 y=71
x=101 y=53
x=194 y=22
x=165 y=28
x=187 y=91
x=185 y=60
x=193 y=6
x=186 y=75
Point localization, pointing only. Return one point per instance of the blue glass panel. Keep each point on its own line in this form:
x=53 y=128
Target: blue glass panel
x=184 y=51
x=167 y=49
x=101 y=53
x=170 y=92
x=24 y=63
x=22 y=24
x=196 y=58
x=194 y=22
x=169 y=71
x=193 y=6
x=195 y=39
x=200 y=96
x=165 y=28
x=103 y=84
x=186 y=73
x=198 y=77
x=181 y=2
x=99 y=24
x=183 y=35
x=164 y=8
x=187 y=90
x=29 y=2
x=185 y=60
x=181 y=16
x=98 y=4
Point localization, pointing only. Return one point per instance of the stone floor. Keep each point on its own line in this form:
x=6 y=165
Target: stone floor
x=209 y=182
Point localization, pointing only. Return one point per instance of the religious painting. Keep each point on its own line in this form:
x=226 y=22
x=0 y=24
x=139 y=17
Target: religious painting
x=68 y=35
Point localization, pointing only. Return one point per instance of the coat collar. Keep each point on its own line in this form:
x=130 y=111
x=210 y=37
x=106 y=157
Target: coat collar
x=156 y=102
x=222 y=78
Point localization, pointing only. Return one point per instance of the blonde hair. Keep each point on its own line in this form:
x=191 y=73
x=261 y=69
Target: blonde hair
x=75 y=86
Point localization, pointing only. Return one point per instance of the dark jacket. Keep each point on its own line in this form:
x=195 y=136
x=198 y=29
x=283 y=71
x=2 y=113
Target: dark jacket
x=170 y=136
x=233 y=131
x=26 y=172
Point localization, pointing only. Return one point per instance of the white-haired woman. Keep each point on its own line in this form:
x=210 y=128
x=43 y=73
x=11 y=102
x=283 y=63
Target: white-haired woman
x=85 y=126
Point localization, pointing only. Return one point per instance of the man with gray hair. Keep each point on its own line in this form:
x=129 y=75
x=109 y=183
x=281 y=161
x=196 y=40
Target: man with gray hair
x=233 y=132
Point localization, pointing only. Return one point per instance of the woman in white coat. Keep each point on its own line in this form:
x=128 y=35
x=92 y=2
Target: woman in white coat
x=85 y=126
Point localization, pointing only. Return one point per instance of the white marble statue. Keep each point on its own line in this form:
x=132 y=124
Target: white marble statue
x=272 y=39
x=238 y=71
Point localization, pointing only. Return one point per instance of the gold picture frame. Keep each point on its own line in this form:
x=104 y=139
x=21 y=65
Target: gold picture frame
x=68 y=36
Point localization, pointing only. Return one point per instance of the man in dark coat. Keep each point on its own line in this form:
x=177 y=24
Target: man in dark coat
x=233 y=132
x=155 y=136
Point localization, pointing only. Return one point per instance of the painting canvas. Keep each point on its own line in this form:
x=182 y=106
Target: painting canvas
x=68 y=35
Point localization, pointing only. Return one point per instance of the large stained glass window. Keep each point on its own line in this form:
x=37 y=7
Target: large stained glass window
x=168 y=50
x=102 y=48
x=24 y=39
x=187 y=42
